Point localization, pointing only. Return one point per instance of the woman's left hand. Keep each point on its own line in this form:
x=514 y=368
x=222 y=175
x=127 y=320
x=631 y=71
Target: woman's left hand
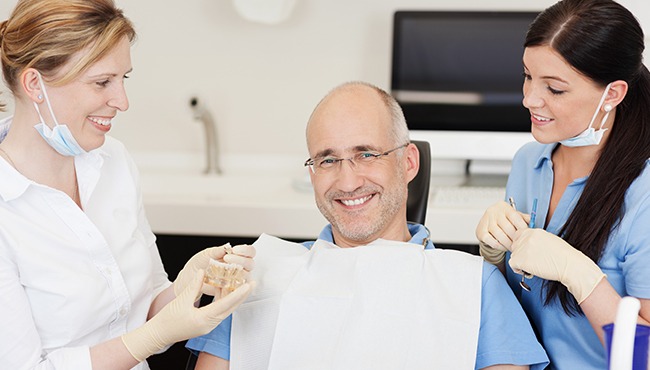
x=243 y=255
x=549 y=257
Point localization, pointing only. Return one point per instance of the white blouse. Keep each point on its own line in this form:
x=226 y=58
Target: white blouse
x=72 y=278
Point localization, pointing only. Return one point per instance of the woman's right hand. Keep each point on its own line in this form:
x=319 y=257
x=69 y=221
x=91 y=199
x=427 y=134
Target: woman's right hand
x=496 y=230
x=180 y=319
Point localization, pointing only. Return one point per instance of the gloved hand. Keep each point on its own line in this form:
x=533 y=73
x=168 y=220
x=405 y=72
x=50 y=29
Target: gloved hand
x=241 y=254
x=497 y=228
x=180 y=319
x=548 y=256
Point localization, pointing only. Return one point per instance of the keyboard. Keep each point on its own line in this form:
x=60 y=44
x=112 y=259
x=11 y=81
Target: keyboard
x=465 y=197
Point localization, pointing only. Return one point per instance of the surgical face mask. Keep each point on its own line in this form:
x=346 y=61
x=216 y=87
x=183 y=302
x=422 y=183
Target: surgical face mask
x=591 y=136
x=59 y=137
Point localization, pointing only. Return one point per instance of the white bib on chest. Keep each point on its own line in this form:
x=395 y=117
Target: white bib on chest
x=386 y=305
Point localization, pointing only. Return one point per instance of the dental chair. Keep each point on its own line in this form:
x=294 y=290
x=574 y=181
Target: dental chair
x=416 y=204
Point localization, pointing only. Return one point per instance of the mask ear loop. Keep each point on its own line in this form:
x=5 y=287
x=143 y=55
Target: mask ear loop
x=38 y=111
x=47 y=101
x=600 y=104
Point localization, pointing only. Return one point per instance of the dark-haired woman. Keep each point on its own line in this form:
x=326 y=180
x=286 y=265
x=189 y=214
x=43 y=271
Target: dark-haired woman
x=588 y=93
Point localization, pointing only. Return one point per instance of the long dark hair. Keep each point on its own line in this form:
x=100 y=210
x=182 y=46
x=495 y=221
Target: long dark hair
x=603 y=41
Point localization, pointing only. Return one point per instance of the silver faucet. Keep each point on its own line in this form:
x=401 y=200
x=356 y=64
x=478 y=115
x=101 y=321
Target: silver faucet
x=211 y=146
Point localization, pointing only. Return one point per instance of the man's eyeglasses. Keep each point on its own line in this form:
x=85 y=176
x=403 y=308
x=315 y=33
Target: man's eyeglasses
x=361 y=160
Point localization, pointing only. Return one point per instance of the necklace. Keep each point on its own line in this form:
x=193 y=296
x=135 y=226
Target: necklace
x=6 y=155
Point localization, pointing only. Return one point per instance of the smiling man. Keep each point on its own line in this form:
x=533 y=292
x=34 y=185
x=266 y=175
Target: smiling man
x=372 y=292
x=361 y=165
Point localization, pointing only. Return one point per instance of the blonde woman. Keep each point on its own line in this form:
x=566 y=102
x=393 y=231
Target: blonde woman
x=82 y=285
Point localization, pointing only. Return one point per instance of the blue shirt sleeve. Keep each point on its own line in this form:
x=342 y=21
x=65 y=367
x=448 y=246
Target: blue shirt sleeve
x=216 y=342
x=505 y=334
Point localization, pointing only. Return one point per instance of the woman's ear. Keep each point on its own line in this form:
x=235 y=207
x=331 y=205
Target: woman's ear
x=30 y=82
x=616 y=94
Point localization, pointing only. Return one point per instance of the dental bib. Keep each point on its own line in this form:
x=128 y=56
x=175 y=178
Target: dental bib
x=386 y=305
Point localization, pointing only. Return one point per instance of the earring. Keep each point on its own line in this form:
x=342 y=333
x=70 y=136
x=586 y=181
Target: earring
x=40 y=96
x=608 y=107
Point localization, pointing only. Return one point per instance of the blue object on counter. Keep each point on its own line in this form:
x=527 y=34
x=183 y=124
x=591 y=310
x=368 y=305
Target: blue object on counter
x=641 y=342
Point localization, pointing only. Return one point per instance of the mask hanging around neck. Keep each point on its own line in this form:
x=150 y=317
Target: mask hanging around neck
x=591 y=136
x=59 y=137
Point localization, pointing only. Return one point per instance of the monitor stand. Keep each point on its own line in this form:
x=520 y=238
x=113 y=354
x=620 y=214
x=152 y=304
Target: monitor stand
x=465 y=172
x=485 y=180
x=487 y=172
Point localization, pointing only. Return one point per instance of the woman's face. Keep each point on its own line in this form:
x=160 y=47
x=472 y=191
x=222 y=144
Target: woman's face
x=89 y=103
x=561 y=101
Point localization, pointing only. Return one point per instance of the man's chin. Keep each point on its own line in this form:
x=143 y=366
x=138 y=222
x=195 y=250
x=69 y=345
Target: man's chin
x=357 y=233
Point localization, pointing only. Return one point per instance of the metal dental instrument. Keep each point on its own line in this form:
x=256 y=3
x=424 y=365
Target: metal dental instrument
x=533 y=214
x=524 y=274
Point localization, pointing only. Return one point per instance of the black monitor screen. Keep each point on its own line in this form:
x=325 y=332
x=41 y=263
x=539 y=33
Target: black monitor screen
x=460 y=70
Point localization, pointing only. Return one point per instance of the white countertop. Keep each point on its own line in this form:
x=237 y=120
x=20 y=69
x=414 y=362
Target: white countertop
x=232 y=205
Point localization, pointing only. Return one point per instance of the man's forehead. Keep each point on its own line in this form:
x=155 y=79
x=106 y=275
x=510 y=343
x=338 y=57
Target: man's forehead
x=327 y=151
x=346 y=138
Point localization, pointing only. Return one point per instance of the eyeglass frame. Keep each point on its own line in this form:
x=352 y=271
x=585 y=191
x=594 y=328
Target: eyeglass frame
x=312 y=162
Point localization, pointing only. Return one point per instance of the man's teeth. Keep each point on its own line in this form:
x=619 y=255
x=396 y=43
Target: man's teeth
x=103 y=122
x=355 y=202
x=540 y=118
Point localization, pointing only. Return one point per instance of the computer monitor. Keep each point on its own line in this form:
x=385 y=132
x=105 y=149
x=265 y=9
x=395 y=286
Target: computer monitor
x=458 y=77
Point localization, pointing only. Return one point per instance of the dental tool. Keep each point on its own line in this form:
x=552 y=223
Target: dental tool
x=524 y=274
x=533 y=214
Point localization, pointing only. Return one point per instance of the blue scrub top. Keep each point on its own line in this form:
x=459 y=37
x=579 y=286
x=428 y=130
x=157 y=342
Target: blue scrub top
x=570 y=341
x=505 y=334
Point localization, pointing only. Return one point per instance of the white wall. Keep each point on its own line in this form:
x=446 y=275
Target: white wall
x=260 y=81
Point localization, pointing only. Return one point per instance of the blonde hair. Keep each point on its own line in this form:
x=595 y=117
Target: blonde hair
x=45 y=34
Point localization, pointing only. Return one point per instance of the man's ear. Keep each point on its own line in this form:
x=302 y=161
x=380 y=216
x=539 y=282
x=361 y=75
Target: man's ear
x=411 y=161
x=616 y=93
x=30 y=82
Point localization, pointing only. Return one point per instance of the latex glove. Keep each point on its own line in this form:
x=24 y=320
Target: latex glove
x=548 y=256
x=497 y=228
x=241 y=254
x=180 y=319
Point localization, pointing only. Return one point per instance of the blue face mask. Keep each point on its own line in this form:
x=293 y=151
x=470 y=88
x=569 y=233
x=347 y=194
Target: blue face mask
x=591 y=136
x=60 y=138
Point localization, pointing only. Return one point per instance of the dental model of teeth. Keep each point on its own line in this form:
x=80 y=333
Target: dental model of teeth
x=227 y=276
